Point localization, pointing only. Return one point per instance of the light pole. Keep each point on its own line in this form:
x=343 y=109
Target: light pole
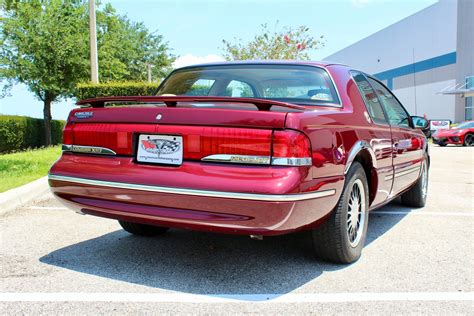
x=93 y=43
x=148 y=70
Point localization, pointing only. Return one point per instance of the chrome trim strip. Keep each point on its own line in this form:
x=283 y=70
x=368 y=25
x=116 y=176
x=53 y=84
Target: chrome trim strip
x=292 y=161
x=260 y=160
x=88 y=150
x=334 y=85
x=403 y=173
x=216 y=194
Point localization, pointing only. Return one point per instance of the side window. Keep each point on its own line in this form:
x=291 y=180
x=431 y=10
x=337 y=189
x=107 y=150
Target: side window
x=370 y=98
x=239 y=89
x=200 y=87
x=397 y=115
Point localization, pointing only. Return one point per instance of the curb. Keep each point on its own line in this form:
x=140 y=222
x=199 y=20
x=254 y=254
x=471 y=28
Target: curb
x=13 y=198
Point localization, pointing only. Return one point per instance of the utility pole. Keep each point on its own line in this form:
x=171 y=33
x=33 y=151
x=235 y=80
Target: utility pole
x=148 y=69
x=93 y=43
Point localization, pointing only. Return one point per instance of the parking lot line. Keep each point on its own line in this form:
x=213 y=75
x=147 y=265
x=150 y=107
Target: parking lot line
x=467 y=214
x=47 y=208
x=275 y=298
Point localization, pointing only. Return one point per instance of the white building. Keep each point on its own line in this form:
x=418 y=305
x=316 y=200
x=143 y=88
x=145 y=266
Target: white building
x=427 y=59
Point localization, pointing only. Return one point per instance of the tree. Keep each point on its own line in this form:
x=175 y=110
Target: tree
x=45 y=45
x=126 y=48
x=284 y=44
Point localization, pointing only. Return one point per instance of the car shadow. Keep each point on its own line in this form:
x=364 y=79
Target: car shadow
x=207 y=263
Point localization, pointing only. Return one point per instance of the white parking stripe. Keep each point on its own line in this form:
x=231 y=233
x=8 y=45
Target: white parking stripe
x=47 y=208
x=468 y=214
x=274 y=298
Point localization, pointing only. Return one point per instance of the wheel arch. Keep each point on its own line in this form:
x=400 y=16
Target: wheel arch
x=363 y=153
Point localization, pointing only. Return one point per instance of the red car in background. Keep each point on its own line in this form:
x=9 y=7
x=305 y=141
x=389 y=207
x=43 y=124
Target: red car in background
x=255 y=148
x=463 y=134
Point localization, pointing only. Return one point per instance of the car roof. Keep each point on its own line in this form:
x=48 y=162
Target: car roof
x=266 y=62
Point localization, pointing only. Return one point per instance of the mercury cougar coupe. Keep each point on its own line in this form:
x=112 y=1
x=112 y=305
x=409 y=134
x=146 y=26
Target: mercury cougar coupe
x=253 y=148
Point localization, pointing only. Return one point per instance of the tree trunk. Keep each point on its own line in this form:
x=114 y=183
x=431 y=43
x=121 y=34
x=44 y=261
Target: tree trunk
x=47 y=120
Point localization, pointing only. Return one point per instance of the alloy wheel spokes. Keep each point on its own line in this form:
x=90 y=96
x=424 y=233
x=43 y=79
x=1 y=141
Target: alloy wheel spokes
x=356 y=213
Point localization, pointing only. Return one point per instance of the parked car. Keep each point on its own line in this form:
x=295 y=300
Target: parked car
x=462 y=134
x=253 y=148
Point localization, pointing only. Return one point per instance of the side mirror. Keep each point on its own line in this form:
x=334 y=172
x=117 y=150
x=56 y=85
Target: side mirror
x=420 y=122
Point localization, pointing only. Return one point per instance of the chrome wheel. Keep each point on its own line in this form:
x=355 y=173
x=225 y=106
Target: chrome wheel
x=356 y=213
x=424 y=180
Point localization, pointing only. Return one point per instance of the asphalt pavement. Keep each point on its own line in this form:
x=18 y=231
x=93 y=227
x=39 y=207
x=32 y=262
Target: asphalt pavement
x=416 y=261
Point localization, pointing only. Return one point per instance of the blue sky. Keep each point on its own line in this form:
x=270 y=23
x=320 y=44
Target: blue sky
x=195 y=29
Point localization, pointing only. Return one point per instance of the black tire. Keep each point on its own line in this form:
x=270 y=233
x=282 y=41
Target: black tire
x=468 y=140
x=442 y=144
x=416 y=196
x=142 y=229
x=331 y=239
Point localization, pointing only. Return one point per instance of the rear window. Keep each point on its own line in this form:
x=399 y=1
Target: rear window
x=288 y=83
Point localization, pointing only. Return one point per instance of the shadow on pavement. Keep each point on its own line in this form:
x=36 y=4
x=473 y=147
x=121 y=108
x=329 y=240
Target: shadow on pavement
x=204 y=263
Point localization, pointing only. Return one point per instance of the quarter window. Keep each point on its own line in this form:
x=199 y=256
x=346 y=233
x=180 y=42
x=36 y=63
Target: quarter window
x=397 y=115
x=370 y=98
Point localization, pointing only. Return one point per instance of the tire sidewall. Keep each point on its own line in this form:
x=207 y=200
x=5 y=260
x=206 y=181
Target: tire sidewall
x=355 y=172
x=467 y=136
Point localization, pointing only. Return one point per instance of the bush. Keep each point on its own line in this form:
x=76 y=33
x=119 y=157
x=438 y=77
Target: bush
x=22 y=132
x=128 y=88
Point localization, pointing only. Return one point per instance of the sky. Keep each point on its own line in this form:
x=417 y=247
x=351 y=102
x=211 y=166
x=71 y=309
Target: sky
x=194 y=29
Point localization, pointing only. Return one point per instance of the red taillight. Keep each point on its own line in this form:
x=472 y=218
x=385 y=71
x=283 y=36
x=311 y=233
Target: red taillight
x=68 y=134
x=291 y=144
x=291 y=148
x=202 y=142
x=220 y=144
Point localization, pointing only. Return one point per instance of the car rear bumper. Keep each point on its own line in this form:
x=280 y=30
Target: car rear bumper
x=241 y=209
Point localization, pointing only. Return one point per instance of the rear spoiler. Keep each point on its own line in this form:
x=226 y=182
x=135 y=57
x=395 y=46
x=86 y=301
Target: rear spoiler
x=171 y=101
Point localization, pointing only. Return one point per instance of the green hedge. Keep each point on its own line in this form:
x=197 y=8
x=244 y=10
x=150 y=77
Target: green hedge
x=22 y=132
x=90 y=90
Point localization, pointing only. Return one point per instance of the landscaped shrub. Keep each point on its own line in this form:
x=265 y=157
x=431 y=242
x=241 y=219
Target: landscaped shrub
x=23 y=132
x=91 y=90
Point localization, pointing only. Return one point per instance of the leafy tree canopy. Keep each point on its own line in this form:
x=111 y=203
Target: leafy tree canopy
x=45 y=45
x=285 y=44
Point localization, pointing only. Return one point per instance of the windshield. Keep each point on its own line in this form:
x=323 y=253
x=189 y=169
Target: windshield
x=288 y=83
x=466 y=125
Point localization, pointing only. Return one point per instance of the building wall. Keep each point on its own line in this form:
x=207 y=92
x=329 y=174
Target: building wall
x=464 y=51
x=416 y=57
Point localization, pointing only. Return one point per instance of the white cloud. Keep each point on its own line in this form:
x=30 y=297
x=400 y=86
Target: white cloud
x=190 y=59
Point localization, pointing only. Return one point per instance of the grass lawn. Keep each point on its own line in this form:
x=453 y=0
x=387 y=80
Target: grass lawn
x=22 y=167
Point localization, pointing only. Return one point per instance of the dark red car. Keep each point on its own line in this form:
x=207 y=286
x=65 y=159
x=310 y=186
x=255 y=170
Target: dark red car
x=463 y=134
x=255 y=148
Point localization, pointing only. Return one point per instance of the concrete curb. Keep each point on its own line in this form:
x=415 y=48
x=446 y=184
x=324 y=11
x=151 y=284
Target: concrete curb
x=13 y=198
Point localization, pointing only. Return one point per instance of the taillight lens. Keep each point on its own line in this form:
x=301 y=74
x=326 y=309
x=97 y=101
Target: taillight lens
x=206 y=143
x=68 y=138
x=291 y=148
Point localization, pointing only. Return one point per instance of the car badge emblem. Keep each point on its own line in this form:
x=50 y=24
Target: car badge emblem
x=158 y=117
x=83 y=115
